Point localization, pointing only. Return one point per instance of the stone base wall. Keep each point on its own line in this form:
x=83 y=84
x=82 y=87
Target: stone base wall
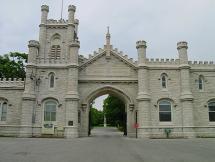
x=9 y=131
x=177 y=132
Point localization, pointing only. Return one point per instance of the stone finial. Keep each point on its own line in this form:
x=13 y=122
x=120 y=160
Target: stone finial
x=76 y=21
x=108 y=36
x=141 y=44
x=45 y=8
x=33 y=43
x=75 y=44
x=182 y=44
x=72 y=8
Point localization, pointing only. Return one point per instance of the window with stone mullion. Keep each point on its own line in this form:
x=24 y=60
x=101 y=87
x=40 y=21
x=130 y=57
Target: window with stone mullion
x=3 y=111
x=211 y=107
x=165 y=112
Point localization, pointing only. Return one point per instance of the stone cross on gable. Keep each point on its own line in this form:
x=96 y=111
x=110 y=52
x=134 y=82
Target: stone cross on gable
x=108 y=46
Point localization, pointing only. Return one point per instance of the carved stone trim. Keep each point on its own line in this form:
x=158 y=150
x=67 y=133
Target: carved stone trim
x=84 y=107
x=131 y=107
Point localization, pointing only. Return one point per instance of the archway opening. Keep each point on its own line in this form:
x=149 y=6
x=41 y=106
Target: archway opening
x=107 y=115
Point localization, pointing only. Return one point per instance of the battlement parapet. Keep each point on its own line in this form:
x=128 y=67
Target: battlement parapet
x=125 y=56
x=81 y=59
x=97 y=53
x=57 y=22
x=201 y=63
x=12 y=83
x=162 y=61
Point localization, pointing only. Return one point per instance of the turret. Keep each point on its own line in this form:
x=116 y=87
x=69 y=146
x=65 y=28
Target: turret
x=72 y=95
x=185 y=73
x=71 y=17
x=182 y=51
x=33 y=50
x=143 y=97
x=42 y=36
x=186 y=93
x=141 y=50
x=72 y=24
x=44 y=15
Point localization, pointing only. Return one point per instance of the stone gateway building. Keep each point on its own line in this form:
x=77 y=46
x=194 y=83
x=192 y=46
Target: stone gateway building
x=172 y=95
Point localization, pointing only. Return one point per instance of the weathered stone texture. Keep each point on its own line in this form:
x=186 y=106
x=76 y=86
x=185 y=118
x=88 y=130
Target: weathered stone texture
x=79 y=80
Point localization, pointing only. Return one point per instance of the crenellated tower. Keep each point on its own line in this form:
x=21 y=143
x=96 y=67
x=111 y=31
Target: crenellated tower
x=57 y=48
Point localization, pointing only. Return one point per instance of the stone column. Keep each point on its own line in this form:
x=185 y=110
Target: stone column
x=29 y=96
x=186 y=94
x=28 y=104
x=42 y=35
x=143 y=98
x=130 y=120
x=71 y=24
x=84 y=120
x=72 y=96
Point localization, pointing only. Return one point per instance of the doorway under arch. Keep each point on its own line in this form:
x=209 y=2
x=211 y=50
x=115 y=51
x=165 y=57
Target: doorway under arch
x=113 y=91
x=111 y=113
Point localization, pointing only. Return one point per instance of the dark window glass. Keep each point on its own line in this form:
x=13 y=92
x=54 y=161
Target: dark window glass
x=211 y=108
x=4 y=111
x=165 y=111
x=165 y=116
x=200 y=83
x=163 y=81
x=52 y=81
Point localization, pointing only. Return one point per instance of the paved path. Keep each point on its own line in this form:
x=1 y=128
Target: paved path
x=106 y=145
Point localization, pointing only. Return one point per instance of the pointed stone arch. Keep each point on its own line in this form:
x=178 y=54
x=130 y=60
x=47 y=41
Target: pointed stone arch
x=107 y=89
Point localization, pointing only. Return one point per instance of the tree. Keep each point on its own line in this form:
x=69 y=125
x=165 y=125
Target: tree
x=114 y=110
x=12 y=65
x=97 y=117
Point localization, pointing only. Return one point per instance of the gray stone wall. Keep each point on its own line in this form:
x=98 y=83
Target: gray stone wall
x=79 y=80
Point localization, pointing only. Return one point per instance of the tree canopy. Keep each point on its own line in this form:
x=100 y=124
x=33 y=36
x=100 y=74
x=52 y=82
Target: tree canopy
x=12 y=65
x=97 y=117
x=114 y=110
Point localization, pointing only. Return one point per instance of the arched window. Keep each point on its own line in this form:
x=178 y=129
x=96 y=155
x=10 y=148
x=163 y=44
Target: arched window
x=55 y=50
x=165 y=114
x=51 y=80
x=3 y=110
x=201 y=82
x=164 y=80
x=50 y=108
x=211 y=110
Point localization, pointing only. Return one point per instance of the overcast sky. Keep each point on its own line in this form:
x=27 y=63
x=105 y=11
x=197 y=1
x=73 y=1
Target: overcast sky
x=162 y=23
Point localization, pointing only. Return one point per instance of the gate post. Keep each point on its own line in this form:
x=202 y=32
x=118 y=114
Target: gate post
x=72 y=95
x=143 y=97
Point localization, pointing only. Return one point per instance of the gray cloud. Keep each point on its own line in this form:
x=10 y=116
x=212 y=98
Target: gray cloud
x=162 y=23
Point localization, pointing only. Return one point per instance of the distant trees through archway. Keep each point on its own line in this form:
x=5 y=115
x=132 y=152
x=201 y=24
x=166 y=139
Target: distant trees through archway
x=111 y=114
